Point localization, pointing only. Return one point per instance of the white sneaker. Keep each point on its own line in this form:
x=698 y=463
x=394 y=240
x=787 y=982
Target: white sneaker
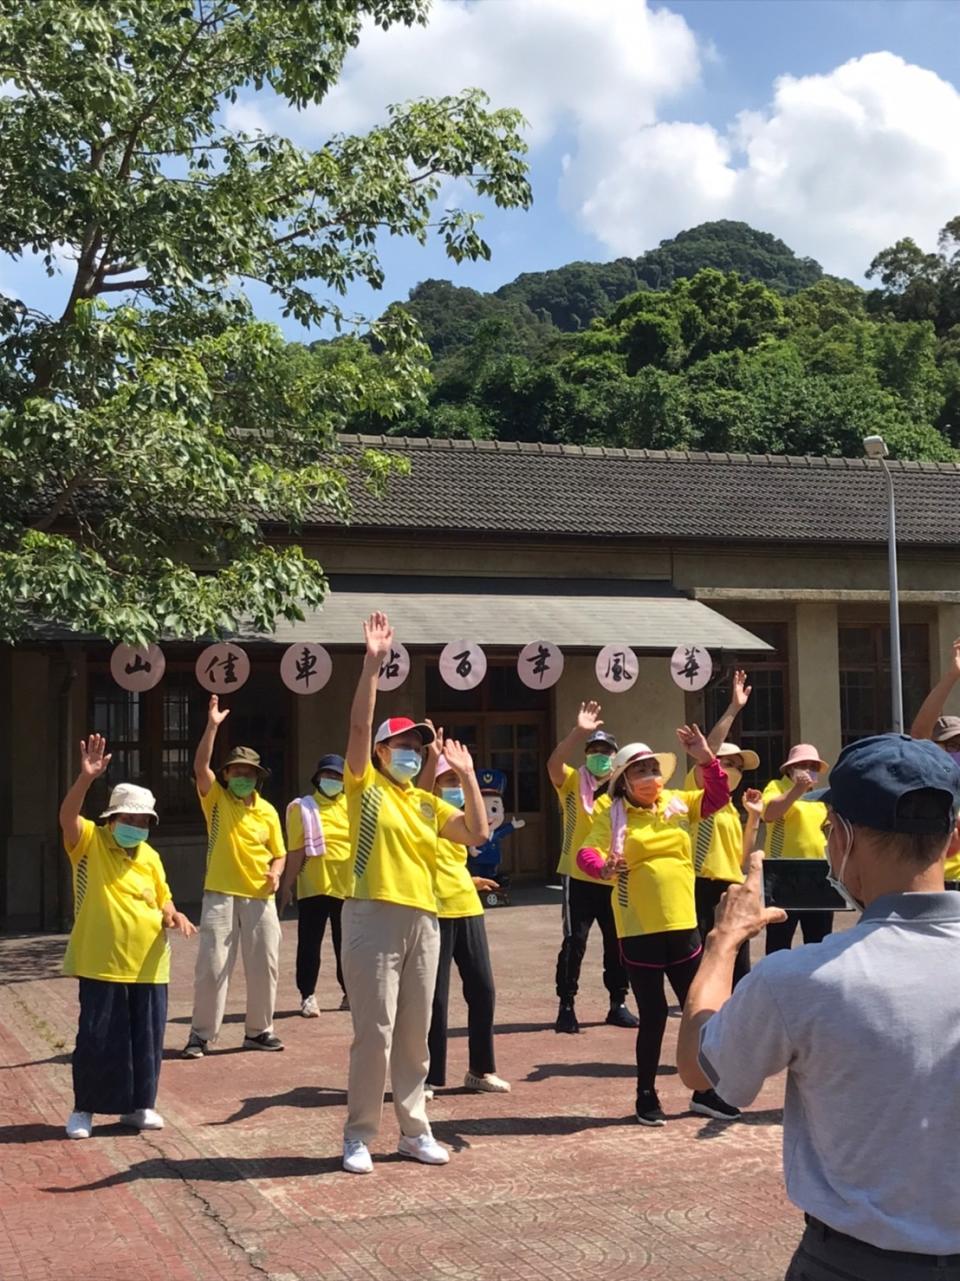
x=356 y=1157
x=79 y=1125
x=423 y=1148
x=309 y=1007
x=143 y=1119
x=488 y=1083
x=430 y=1090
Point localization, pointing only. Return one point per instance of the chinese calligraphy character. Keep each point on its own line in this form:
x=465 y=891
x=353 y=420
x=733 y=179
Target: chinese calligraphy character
x=616 y=667
x=464 y=666
x=690 y=668
x=390 y=668
x=228 y=664
x=539 y=661
x=306 y=665
x=138 y=665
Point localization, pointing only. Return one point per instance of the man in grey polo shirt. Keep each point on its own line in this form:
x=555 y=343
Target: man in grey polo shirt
x=867 y=1025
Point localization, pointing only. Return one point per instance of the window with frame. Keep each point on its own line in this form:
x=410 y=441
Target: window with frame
x=764 y=724
x=864 y=652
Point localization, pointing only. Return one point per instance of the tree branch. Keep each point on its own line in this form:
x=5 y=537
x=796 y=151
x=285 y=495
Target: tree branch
x=117 y=286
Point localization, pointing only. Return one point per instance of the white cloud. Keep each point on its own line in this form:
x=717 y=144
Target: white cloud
x=839 y=165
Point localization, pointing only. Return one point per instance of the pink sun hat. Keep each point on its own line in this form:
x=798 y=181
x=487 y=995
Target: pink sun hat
x=803 y=752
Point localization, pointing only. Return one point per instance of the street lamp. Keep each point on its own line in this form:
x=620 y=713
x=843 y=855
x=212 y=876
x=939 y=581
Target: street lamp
x=875 y=447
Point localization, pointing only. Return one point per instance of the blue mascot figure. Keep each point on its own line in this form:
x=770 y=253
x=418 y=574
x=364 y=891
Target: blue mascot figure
x=485 y=859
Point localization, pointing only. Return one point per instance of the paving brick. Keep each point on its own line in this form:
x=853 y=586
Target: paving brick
x=551 y=1182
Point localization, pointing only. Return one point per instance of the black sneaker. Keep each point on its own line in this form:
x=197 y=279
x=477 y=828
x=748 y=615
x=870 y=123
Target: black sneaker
x=345 y=1003
x=620 y=1016
x=649 y=1111
x=265 y=1041
x=566 y=1019
x=709 y=1103
x=195 y=1048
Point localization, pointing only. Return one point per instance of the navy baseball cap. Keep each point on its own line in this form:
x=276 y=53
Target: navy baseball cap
x=331 y=762
x=874 y=775
x=601 y=736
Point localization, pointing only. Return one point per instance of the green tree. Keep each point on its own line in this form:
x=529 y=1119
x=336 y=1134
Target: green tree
x=151 y=428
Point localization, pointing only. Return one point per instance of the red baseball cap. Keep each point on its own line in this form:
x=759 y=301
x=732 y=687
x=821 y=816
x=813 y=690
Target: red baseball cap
x=403 y=725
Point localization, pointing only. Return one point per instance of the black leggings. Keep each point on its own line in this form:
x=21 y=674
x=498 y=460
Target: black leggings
x=814 y=925
x=312 y=916
x=583 y=903
x=649 y=957
x=708 y=894
x=463 y=941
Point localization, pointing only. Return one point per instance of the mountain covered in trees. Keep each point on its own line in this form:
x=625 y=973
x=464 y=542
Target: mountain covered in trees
x=719 y=339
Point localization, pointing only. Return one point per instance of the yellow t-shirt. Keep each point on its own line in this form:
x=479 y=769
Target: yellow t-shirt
x=330 y=873
x=799 y=833
x=951 y=870
x=576 y=824
x=456 y=893
x=242 y=842
x=393 y=832
x=717 y=842
x=655 y=893
x=118 y=932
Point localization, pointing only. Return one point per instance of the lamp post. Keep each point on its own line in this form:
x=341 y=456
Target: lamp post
x=875 y=447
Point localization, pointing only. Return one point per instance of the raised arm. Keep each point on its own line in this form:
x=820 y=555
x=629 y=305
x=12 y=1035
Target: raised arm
x=781 y=805
x=567 y=750
x=932 y=706
x=716 y=790
x=94 y=760
x=470 y=827
x=378 y=638
x=753 y=807
x=204 y=775
x=739 y=697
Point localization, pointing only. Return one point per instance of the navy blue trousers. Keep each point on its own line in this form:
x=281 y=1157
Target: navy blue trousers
x=116 y=1061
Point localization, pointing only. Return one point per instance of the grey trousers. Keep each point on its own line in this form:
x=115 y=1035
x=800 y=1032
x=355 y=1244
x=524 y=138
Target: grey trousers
x=389 y=955
x=229 y=924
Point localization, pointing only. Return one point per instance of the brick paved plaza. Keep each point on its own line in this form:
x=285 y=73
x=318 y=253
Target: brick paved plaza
x=553 y=1181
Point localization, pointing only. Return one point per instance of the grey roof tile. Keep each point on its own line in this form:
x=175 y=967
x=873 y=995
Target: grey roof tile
x=522 y=487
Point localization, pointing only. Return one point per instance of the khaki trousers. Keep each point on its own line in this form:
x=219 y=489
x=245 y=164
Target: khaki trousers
x=228 y=922
x=390 y=958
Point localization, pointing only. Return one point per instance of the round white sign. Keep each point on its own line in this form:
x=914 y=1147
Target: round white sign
x=305 y=668
x=463 y=664
x=137 y=669
x=617 y=668
x=222 y=668
x=394 y=669
x=691 y=667
x=540 y=664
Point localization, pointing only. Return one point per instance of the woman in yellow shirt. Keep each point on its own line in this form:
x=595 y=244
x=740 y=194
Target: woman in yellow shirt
x=795 y=830
x=391 y=939
x=463 y=941
x=642 y=840
x=319 y=862
x=117 y=949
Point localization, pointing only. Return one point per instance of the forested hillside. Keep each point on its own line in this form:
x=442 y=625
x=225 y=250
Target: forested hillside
x=720 y=339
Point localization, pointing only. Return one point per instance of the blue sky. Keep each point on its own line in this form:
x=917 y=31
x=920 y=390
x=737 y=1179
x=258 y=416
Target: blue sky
x=832 y=123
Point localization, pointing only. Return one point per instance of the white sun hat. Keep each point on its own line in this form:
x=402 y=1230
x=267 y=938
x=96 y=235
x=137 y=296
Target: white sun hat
x=640 y=752
x=127 y=798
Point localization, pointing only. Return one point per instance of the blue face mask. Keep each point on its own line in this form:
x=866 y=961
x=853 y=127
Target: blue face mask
x=331 y=787
x=453 y=796
x=405 y=763
x=128 y=836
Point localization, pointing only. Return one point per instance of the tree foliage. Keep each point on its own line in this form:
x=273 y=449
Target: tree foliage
x=152 y=428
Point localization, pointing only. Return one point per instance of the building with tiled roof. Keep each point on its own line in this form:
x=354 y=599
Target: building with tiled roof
x=776 y=564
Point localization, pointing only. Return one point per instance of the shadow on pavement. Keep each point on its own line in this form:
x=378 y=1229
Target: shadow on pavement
x=31 y=958
x=302 y=1096
x=453 y=1132
x=545 y=1071
x=711 y=1129
x=40 y=1132
x=220 y=1170
x=56 y=1058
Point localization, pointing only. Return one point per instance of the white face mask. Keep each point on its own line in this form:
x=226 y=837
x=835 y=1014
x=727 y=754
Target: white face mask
x=836 y=882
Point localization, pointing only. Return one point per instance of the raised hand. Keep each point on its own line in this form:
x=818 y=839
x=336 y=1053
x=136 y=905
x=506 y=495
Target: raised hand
x=956 y=655
x=741 y=690
x=378 y=636
x=588 y=718
x=803 y=779
x=753 y=801
x=435 y=749
x=740 y=914
x=694 y=743
x=94 y=757
x=216 y=714
x=458 y=757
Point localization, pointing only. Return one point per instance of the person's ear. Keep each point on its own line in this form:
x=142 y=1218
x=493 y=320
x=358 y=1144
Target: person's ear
x=954 y=843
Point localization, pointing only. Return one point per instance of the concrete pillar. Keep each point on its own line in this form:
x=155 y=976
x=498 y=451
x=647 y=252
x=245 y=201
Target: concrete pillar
x=815 y=679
